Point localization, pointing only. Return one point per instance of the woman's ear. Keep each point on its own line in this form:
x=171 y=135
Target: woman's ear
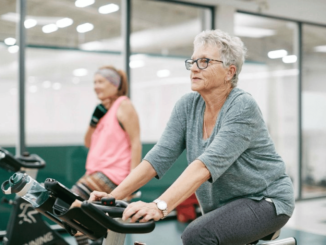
x=231 y=71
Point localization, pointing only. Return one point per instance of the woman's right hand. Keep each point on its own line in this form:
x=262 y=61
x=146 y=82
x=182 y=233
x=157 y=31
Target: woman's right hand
x=98 y=195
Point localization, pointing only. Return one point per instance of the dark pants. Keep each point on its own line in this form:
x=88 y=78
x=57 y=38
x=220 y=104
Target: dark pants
x=239 y=222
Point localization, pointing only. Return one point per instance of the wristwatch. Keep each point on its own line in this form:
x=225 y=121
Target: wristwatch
x=161 y=205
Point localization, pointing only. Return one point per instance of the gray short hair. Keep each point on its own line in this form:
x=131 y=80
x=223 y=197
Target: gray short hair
x=232 y=49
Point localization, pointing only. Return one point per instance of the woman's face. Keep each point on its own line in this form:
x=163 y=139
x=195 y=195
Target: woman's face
x=103 y=88
x=214 y=76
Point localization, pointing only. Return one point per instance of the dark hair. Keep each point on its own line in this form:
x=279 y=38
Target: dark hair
x=123 y=88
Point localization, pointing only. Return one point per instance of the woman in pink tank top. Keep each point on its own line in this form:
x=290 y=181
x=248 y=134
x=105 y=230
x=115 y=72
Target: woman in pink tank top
x=113 y=137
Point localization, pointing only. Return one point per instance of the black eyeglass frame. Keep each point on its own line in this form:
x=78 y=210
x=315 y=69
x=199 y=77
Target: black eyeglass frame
x=196 y=61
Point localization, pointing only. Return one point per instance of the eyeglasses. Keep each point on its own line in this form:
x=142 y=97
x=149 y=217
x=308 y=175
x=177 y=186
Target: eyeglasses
x=202 y=63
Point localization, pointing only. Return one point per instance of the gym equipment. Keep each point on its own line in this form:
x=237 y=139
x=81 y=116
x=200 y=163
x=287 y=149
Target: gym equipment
x=271 y=240
x=95 y=220
x=26 y=225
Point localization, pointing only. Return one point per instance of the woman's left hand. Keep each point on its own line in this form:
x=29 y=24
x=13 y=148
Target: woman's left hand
x=142 y=211
x=76 y=204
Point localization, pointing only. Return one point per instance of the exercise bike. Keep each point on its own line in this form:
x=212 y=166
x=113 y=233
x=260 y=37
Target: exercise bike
x=95 y=220
x=271 y=240
x=26 y=225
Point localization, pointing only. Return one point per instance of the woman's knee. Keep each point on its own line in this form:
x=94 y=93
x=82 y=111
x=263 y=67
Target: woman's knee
x=198 y=233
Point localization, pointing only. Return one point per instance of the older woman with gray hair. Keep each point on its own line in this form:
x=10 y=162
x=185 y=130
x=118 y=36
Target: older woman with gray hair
x=238 y=177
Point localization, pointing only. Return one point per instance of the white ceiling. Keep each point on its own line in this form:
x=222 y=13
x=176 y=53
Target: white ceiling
x=303 y=10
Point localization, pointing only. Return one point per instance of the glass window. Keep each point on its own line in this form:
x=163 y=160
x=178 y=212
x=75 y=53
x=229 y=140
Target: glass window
x=60 y=98
x=74 y=24
x=8 y=76
x=270 y=74
x=161 y=40
x=59 y=77
x=67 y=44
x=313 y=111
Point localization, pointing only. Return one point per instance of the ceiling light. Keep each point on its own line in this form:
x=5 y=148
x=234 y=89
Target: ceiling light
x=163 y=73
x=10 y=41
x=110 y=8
x=64 y=22
x=49 y=28
x=83 y=3
x=289 y=59
x=30 y=20
x=85 y=27
x=30 y=23
x=80 y=72
x=136 y=64
x=46 y=84
x=12 y=17
x=56 y=86
x=321 y=48
x=13 y=49
x=277 y=54
x=252 y=32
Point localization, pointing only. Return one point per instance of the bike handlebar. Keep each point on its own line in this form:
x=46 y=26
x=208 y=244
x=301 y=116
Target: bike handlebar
x=14 y=164
x=99 y=214
x=92 y=219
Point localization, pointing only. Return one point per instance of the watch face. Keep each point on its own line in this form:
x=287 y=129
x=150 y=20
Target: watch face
x=162 y=205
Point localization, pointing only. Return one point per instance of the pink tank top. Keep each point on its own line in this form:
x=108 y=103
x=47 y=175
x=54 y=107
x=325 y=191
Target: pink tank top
x=110 y=149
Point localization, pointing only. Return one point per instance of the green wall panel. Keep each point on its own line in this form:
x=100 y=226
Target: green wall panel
x=67 y=164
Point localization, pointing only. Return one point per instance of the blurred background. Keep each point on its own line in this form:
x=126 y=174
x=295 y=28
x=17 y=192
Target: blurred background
x=67 y=40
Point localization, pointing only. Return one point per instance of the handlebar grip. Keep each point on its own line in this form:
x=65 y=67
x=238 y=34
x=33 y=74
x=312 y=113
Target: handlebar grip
x=114 y=212
x=120 y=203
x=112 y=224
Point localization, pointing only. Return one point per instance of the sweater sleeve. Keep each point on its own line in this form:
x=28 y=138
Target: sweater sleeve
x=172 y=142
x=234 y=136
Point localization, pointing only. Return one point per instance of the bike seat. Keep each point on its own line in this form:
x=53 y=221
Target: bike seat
x=269 y=237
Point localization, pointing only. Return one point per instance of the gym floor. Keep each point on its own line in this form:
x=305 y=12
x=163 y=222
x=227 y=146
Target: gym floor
x=307 y=225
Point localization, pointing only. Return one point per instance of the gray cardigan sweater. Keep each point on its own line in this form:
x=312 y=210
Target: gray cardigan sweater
x=239 y=154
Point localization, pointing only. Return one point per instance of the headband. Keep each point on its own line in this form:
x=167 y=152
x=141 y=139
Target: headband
x=110 y=75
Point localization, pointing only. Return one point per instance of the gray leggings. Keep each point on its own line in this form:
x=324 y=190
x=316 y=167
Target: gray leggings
x=239 y=222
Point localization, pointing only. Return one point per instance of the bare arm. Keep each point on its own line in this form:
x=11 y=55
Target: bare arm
x=136 y=179
x=88 y=136
x=187 y=183
x=127 y=115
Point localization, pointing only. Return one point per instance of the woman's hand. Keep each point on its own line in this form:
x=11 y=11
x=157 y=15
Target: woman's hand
x=97 y=196
x=76 y=204
x=141 y=211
